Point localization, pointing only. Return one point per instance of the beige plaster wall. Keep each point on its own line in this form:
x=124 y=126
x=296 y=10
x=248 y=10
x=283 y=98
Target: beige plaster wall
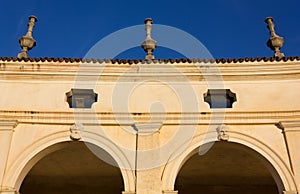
x=36 y=98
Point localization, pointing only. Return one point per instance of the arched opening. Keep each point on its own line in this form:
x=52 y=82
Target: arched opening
x=228 y=168
x=74 y=169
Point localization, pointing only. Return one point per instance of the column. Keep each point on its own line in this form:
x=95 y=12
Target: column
x=6 y=133
x=291 y=131
x=148 y=170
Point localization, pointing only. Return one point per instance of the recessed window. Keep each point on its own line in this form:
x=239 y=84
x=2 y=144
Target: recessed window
x=81 y=98
x=219 y=98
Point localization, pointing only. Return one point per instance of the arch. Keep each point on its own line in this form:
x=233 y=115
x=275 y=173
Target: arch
x=286 y=181
x=46 y=145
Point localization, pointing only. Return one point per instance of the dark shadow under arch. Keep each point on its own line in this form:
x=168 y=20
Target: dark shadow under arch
x=73 y=169
x=228 y=168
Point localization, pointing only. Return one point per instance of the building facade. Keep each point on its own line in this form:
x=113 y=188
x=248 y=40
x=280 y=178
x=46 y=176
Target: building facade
x=135 y=128
x=149 y=126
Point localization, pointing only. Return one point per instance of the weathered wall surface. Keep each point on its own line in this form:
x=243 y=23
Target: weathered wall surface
x=149 y=117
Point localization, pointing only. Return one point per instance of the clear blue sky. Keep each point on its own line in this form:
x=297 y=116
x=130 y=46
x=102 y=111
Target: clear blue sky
x=228 y=28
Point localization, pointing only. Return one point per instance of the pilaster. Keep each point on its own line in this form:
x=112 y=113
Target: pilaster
x=291 y=131
x=6 y=133
x=148 y=170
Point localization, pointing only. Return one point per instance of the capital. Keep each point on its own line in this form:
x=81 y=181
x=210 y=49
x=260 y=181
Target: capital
x=8 y=125
x=170 y=192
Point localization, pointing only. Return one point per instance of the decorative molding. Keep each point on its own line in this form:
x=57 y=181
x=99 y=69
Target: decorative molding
x=75 y=131
x=222 y=133
x=290 y=192
x=147 y=128
x=170 y=192
x=8 y=125
x=170 y=118
x=8 y=190
x=289 y=126
x=280 y=70
x=128 y=192
x=2 y=66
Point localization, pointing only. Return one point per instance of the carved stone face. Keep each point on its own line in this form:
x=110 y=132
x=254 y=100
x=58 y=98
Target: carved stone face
x=75 y=132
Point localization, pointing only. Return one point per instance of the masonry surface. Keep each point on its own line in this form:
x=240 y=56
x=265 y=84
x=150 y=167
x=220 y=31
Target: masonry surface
x=145 y=127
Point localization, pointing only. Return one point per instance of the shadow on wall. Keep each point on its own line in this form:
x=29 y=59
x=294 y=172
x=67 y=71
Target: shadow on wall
x=226 y=168
x=73 y=169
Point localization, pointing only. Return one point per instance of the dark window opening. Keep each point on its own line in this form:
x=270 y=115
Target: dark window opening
x=81 y=98
x=220 y=98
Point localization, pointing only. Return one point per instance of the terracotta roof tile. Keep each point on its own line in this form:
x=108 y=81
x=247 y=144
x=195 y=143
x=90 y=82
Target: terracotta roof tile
x=136 y=61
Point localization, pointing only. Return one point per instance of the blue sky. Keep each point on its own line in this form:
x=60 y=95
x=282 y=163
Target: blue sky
x=228 y=28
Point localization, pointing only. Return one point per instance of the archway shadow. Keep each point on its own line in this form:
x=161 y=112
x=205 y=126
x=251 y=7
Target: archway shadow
x=73 y=169
x=228 y=168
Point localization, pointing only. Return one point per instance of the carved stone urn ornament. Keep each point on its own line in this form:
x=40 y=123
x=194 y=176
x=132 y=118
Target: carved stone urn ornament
x=27 y=42
x=275 y=42
x=149 y=44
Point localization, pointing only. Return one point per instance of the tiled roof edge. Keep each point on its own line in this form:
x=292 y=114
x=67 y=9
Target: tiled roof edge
x=135 y=61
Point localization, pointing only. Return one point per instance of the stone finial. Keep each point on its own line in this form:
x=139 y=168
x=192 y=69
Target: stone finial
x=27 y=42
x=275 y=42
x=149 y=44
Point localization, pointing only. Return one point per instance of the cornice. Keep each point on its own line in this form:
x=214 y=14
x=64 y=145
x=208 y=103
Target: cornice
x=171 y=118
x=198 y=71
x=135 y=61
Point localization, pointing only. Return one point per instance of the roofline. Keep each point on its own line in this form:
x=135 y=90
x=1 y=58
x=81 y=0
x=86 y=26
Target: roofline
x=136 y=61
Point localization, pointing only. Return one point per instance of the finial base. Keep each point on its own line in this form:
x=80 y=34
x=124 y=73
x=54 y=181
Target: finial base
x=278 y=54
x=22 y=55
x=149 y=57
x=275 y=43
x=26 y=43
